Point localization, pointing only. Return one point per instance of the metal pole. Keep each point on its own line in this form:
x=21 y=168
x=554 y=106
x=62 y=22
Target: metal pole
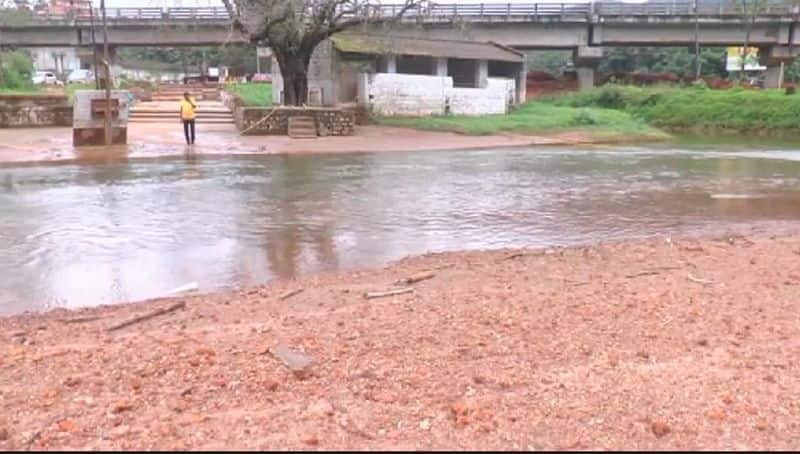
x=696 y=42
x=107 y=64
x=94 y=46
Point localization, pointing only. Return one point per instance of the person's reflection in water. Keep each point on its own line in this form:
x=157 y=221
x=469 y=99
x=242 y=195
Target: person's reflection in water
x=191 y=164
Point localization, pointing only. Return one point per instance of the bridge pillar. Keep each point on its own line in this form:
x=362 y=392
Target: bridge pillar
x=775 y=59
x=586 y=60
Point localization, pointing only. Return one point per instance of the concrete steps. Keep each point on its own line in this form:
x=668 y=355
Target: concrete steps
x=165 y=111
x=302 y=127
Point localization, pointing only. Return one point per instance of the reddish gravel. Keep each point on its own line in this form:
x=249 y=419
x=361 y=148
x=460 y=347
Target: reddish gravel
x=690 y=344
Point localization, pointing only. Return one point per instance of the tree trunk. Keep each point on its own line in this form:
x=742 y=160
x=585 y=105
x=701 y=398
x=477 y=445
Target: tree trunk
x=294 y=71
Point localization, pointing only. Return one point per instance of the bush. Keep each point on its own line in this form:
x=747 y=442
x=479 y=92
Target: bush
x=585 y=117
x=16 y=69
x=700 y=84
x=791 y=90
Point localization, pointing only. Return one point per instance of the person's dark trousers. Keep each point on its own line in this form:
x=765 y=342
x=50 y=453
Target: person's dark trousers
x=188 y=131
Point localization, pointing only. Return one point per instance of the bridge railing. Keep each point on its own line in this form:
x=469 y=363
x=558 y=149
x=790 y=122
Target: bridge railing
x=686 y=8
x=473 y=11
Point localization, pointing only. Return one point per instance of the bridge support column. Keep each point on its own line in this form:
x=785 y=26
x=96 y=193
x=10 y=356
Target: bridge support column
x=586 y=60
x=776 y=59
x=773 y=77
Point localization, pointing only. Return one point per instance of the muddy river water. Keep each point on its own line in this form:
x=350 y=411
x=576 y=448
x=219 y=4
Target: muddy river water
x=75 y=234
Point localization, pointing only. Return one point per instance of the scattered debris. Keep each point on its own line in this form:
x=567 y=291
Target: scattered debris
x=79 y=320
x=190 y=287
x=415 y=278
x=290 y=293
x=399 y=291
x=297 y=362
x=697 y=280
x=148 y=316
x=659 y=428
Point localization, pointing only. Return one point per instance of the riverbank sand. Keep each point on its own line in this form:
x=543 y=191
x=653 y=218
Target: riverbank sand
x=152 y=140
x=684 y=344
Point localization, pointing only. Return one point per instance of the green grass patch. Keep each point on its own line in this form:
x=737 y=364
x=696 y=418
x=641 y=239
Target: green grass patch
x=252 y=94
x=695 y=108
x=20 y=91
x=70 y=89
x=536 y=118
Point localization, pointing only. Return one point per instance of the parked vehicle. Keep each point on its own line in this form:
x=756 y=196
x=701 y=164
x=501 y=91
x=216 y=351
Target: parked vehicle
x=80 y=76
x=45 y=78
x=261 y=77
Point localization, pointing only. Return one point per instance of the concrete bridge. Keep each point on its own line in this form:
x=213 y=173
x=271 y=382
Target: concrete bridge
x=582 y=27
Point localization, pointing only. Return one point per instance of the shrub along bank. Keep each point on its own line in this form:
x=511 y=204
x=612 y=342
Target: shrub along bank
x=538 y=118
x=696 y=108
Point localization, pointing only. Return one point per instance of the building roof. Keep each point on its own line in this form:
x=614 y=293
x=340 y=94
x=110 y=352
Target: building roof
x=394 y=45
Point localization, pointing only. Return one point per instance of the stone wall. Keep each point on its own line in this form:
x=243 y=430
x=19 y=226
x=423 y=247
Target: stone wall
x=391 y=94
x=19 y=111
x=330 y=121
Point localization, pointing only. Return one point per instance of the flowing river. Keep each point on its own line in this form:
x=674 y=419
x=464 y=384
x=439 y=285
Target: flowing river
x=75 y=234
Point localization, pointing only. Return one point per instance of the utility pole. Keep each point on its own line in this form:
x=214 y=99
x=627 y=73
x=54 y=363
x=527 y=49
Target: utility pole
x=94 y=46
x=107 y=64
x=696 y=42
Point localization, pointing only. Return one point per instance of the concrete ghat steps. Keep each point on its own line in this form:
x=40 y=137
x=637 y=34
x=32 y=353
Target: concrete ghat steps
x=159 y=111
x=302 y=128
x=200 y=121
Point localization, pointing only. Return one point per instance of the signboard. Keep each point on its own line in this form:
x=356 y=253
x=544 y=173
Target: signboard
x=263 y=52
x=734 y=60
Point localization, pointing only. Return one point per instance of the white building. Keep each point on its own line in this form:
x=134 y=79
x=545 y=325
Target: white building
x=414 y=77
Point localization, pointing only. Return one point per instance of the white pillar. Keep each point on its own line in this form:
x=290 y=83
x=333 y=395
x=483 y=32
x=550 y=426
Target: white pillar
x=441 y=67
x=391 y=64
x=482 y=73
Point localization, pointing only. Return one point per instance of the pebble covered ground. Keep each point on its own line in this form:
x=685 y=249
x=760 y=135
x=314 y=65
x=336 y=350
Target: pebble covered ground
x=651 y=345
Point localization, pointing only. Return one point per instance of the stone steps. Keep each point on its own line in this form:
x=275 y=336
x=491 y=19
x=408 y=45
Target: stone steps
x=159 y=111
x=302 y=127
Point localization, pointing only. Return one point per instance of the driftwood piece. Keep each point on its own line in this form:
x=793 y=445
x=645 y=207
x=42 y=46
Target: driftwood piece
x=148 y=316
x=399 y=291
x=415 y=278
x=290 y=293
x=79 y=320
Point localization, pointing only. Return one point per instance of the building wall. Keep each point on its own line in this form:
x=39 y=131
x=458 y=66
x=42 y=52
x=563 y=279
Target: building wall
x=418 y=95
x=50 y=59
x=495 y=98
x=406 y=94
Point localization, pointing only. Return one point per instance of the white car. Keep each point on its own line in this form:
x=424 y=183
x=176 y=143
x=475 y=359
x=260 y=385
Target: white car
x=80 y=76
x=45 y=78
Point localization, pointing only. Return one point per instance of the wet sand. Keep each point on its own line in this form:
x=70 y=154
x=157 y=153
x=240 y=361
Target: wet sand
x=147 y=140
x=652 y=345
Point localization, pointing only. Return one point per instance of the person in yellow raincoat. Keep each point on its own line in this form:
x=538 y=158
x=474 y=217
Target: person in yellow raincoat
x=188 y=115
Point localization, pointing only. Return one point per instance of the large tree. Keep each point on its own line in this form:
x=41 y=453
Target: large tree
x=294 y=28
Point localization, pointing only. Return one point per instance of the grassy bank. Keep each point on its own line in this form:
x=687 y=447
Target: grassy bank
x=538 y=118
x=682 y=109
x=253 y=94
